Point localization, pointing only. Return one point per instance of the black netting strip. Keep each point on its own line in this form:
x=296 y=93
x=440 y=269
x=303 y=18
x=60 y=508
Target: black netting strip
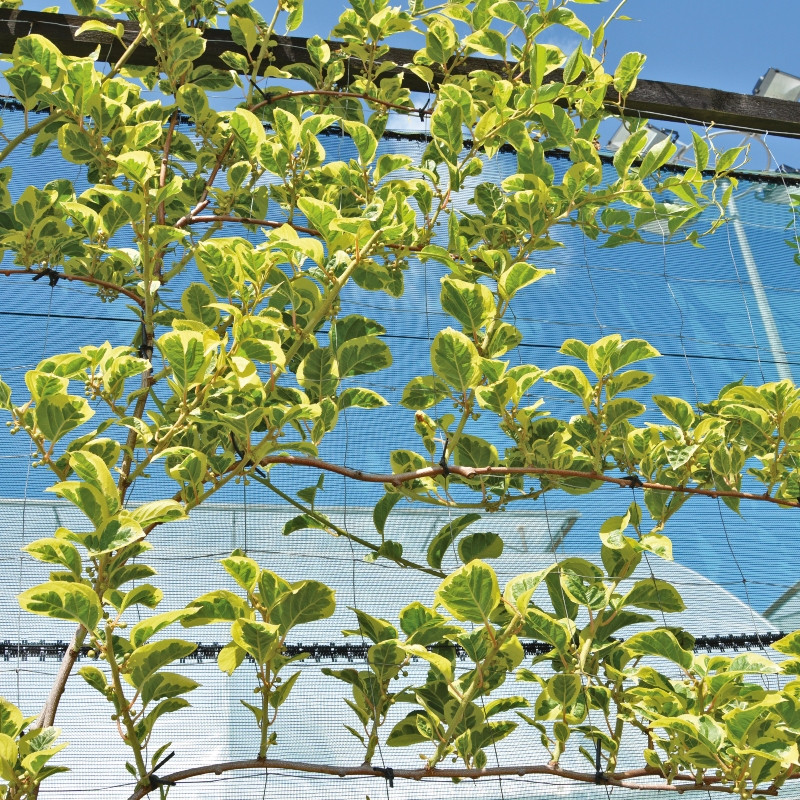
x=333 y=651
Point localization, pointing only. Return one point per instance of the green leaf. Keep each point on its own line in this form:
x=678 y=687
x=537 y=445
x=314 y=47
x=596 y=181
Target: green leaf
x=319 y=214
x=363 y=355
x=472 y=304
x=655 y=595
x=5 y=396
x=184 y=351
x=406 y=732
x=388 y=163
x=446 y=536
x=520 y=589
x=319 y=373
x=95 y=678
x=250 y=131
x=243 y=570
x=753 y=664
x=446 y=124
x=620 y=410
x=375 y=629
x=657 y=543
x=197 y=302
x=126 y=572
x=56 y=551
x=455 y=360
x=271 y=587
x=610 y=353
x=627 y=381
x=34 y=762
x=307 y=601
x=157 y=512
x=303 y=522
x=136 y=165
x=661 y=643
x=627 y=71
x=504 y=337
x=480 y=545
x=166 y=684
x=11 y=719
x=118 y=532
x=147 y=628
x=363 y=138
x=470 y=593
x=496 y=396
x=629 y=151
x=443 y=665
x=564 y=689
x=144 y=595
x=75 y=602
x=518 y=276
x=612 y=532
x=57 y=415
x=166 y=706
x=423 y=392
x=790 y=645
x=149 y=658
x=726 y=160
x=279 y=695
x=288 y=129
x=230 y=658
x=89 y=500
x=356 y=397
x=572 y=380
x=676 y=409
x=217 y=606
x=700 y=151
x=382 y=509
x=583 y=587
x=656 y=157
x=544 y=628
x=260 y=639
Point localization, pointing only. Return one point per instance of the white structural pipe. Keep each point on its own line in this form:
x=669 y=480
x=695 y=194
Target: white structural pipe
x=764 y=310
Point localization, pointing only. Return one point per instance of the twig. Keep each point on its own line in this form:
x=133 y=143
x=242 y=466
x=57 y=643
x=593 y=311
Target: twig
x=403 y=562
x=423 y=112
x=162 y=175
x=269 y=223
x=82 y=278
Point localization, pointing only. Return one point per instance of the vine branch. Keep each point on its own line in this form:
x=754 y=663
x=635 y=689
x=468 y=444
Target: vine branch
x=399 y=478
x=623 y=780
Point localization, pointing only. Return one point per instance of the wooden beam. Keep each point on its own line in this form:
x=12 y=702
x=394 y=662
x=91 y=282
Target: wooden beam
x=652 y=99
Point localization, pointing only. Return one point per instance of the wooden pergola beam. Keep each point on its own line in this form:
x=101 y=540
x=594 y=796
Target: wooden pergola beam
x=652 y=99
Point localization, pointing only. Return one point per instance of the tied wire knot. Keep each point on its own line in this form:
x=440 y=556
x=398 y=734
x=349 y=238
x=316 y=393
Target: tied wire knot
x=154 y=780
x=424 y=110
x=386 y=772
x=599 y=777
x=443 y=459
x=49 y=273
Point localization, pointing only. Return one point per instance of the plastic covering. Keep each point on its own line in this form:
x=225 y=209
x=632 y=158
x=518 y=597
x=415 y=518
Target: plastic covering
x=701 y=308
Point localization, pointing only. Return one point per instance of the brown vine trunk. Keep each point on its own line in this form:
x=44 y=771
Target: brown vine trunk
x=48 y=713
